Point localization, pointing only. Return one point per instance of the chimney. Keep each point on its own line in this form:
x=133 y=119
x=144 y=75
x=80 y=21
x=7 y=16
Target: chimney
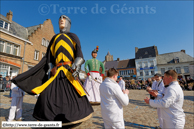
x=9 y=15
x=118 y=59
x=136 y=49
x=183 y=50
x=156 y=50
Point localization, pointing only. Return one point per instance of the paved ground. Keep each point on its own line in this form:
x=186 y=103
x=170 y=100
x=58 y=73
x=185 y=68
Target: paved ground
x=137 y=114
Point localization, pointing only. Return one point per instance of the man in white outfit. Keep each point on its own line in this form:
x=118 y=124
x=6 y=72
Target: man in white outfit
x=16 y=103
x=171 y=103
x=122 y=83
x=112 y=101
x=158 y=87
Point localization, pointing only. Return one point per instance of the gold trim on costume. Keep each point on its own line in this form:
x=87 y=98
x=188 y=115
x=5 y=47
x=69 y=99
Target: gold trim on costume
x=69 y=76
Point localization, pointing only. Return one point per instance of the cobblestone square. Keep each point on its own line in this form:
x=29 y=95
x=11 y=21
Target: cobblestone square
x=137 y=114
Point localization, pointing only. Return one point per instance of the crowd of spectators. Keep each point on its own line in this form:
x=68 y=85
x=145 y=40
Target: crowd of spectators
x=142 y=85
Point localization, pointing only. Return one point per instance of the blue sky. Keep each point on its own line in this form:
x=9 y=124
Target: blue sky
x=165 y=24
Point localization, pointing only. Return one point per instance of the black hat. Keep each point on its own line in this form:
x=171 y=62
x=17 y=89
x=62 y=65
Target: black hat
x=158 y=74
x=95 y=50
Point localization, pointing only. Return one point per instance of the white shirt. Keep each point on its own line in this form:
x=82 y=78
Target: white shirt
x=159 y=86
x=16 y=91
x=122 y=84
x=112 y=100
x=171 y=106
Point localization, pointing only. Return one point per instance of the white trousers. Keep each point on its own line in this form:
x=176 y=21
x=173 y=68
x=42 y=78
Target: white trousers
x=16 y=108
x=159 y=117
x=93 y=88
x=114 y=125
x=170 y=124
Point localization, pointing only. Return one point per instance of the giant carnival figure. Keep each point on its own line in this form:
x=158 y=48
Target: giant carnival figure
x=94 y=79
x=62 y=97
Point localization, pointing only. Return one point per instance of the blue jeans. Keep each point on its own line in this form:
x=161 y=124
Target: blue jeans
x=10 y=93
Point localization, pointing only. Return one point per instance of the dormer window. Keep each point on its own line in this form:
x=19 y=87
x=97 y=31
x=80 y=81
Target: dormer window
x=176 y=60
x=4 y=25
x=146 y=52
x=140 y=57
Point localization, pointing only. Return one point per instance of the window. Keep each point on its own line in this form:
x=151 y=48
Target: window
x=178 y=69
x=140 y=65
x=4 y=25
x=186 y=69
x=152 y=72
x=43 y=54
x=140 y=57
x=176 y=60
x=15 y=50
x=150 y=55
x=8 y=48
x=141 y=73
x=119 y=72
x=145 y=64
x=43 y=41
x=162 y=70
x=47 y=43
x=146 y=73
x=36 y=54
x=132 y=71
x=2 y=45
x=1 y=23
x=151 y=64
x=146 y=52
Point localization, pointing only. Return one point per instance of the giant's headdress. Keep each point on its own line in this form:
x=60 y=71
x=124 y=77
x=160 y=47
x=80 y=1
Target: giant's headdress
x=67 y=24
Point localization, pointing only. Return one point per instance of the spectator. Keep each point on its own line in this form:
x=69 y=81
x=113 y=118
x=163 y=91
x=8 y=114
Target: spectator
x=16 y=103
x=143 y=86
x=122 y=83
x=112 y=101
x=157 y=87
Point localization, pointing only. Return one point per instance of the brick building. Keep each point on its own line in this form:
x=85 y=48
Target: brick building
x=22 y=48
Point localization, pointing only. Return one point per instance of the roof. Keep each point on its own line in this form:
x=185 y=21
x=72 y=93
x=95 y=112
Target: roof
x=169 y=57
x=129 y=63
x=16 y=29
x=146 y=52
x=4 y=18
x=32 y=29
x=108 y=53
x=111 y=64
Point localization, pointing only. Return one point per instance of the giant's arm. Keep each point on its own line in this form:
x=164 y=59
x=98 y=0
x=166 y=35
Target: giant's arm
x=102 y=66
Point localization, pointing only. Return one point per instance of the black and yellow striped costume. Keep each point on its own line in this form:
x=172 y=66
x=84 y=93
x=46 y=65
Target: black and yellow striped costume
x=61 y=97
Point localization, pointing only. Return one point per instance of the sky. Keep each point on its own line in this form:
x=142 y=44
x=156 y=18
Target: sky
x=115 y=26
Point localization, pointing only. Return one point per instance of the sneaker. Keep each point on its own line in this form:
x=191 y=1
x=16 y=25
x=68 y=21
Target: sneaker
x=20 y=119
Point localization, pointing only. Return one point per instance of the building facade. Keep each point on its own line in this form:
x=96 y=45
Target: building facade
x=127 y=69
x=179 y=61
x=21 y=48
x=145 y=62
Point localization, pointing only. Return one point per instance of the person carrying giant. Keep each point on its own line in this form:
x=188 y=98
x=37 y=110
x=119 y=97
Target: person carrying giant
x=62 y=98
x=94 y=78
